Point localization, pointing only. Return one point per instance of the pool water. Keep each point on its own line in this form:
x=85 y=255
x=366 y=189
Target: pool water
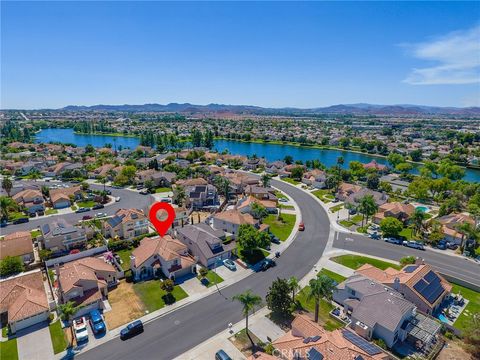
x=422 y=208
x=442 y=318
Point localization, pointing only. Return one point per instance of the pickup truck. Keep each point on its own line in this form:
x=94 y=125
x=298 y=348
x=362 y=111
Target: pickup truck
x=80 y=329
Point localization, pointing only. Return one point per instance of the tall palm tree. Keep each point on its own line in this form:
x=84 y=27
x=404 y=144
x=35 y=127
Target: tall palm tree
x=6 y=203
x=321 y=287
x=249 y=302
x=67 y=310
x=367 y=207
x=265 y=179
x=179 y=195
x=468 y=231
x=7 y=185
x=293 y=283
x=417 y=219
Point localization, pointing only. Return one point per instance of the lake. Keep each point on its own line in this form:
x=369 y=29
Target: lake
x=271 y=152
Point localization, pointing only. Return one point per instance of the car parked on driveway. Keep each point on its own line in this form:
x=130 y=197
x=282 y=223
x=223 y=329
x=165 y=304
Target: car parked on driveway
x=132 y=329
x=80 y=329
x=222 y=355
x=96 y=322
x=86 y=217
x=442 y=245
x=230 y=264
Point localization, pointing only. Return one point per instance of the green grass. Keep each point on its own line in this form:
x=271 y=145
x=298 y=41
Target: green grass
x=324 y=195
x=355 y=261
x=51 y=211
x=291 y=181
x=253 y=257
x=153 y=297
x=88 y=203
x=57 y=335
x=278 y=228
x=212 y=277
x=8 y=350
x=472 y=307
x=286 y=207
x=14 y=215
x=125 y=256
x=332 y=275
x=4 y=331
x=354 y=220
x=336 y=208
x=408 y=234
x=35 y=233
x=325 y=307
x=280 y=195
x=162 y=189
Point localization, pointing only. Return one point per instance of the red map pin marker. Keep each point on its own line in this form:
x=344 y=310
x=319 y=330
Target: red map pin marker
x=163 y=225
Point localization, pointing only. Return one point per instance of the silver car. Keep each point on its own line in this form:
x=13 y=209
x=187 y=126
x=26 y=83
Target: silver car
x=230 y=264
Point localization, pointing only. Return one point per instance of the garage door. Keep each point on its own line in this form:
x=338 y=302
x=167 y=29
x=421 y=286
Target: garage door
x=22 y=324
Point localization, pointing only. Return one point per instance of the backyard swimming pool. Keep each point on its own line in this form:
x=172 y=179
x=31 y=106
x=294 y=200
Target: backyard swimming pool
x=422 y=208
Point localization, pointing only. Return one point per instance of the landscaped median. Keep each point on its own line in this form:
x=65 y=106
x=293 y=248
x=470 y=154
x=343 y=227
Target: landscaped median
x=356 y=261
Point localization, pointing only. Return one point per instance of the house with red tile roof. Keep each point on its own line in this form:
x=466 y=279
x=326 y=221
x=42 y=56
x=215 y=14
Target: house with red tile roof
x=230 y=221
x=126 y=224
x=450 y=224
x=23 y=301
x=398 y=210
x=161 y=254
x=17 y=244
x=31 y=199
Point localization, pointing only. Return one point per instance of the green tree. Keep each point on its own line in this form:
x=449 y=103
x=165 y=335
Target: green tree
x=67 y=311
x=288 y=159
x=150 y=185
x=320 y=288
x=223 y=186
x=168 y=286
x=265 y=179
x=416 y=155
x=34 y=174
x=7 y=185
x=11 y=265
x=449 y=170
x=196 y=138
x=297 y=172
x=278 y=297
x=373 y=181
x=407 y=260
x=394 y=159
x=259 y=211
x=417 y=219
x=294 y=286
x=6 y=203
x=391 y=226
x=404 y=168
x=367 y=207
x=208 y=140
x=249 y=302
x=179 y=195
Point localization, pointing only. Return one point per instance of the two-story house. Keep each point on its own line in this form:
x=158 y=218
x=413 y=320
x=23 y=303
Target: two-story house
x=62 y=198
x=31 y=199
x=126 y=224
x=60 y=236
x=230 y=221
x=17 y=244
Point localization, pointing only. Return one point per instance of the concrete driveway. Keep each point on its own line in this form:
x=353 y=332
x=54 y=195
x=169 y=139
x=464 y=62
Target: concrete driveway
x=35 y=343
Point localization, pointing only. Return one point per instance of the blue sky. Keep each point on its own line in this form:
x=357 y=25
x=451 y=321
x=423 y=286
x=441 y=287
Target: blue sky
x=267 y=54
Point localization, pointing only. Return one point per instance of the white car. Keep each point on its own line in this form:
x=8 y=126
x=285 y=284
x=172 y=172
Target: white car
x=283 y=200
x=100 y=215
x=80 y=329
x=230 y=264
x=117 y=199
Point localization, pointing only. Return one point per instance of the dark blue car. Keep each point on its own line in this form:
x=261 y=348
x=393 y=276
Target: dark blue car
x=96 y=321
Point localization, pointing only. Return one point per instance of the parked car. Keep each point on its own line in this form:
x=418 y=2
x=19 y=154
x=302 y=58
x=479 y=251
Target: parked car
x=139 y=187
x=96 y=322
x=283 y=200
x=100 y=215
x=144 y=192
x=20 y=221
x=166 y=200
x=413 y=244
x=132 y=329
x=352 y=211
x=86 y=217
x=301 y=226
x=442 y=245
x=452 y=246
x=267 y=264
x=222 y=355
x=40 y=212
x=80 y=329
x=393 y=241
x=230 y=264
x=274 y=239
x=82 y=209
x=32 y=214
x=98 y=206
x=108 y=192
x=117 y=199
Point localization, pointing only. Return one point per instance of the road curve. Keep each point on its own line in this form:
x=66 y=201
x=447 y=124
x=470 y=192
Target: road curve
x=173 y=334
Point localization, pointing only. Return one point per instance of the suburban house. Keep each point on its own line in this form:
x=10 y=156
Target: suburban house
x=205 y=244
x=181 y=216
x=201 y=196
x=245 y=204
x=85 y=281
x=230 y=221
x=60 y=236
x=17 y=244
x=31 y=199
x=261 y=193
x=373 y=165
x=61 y=198
x=253 y=163
x=367 y=302
x=398 y=210
x=102 y=171
x=159 y=178
x=157 y=255
x=309 y=340
x=315 y=178
x=23 y=301
x=352 y=194
x=418 y=283
x=450 y=224
x=125 y=224
x=238 y=181
x=275 y=167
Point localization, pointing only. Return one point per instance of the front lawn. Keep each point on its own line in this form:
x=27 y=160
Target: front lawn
x=125 y=257
x=57 y=335
x=86 y=204
x=153 y=297
x=162 y=189
x=291 y=181
x=324 y=318
x=336 y=208
x=354 y=220
x=324 y=195
x=281 y=229
x=473 y=306
x=8 y=349
x=212 y=277
x=355 y=261
x=332 y=275
x=280 y=195
x=51 y=211
x=14 y=215
x=286 y=207
x=408 y=234
x=35 y=233
x=252 y=257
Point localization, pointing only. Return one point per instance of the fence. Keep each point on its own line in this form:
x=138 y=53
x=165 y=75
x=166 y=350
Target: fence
x=80 y=255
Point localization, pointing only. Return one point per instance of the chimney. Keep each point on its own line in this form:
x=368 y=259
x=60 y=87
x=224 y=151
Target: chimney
x=132 y=262
x=419 y=261
x=396 y=283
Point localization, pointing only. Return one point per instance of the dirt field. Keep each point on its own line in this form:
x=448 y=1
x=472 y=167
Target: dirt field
x=453 y=352
x=126 y=306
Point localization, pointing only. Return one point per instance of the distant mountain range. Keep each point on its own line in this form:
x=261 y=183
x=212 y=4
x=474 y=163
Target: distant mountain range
x=360 y=109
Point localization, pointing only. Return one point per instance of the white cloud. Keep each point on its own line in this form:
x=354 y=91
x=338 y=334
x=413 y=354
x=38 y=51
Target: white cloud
x=456 y=57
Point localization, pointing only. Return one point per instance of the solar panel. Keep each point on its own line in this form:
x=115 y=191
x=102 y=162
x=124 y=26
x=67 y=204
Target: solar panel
x=314 y=354
x=420 y=285
x=358 y=357
x=315 y=338
x=411 y=268
x=306 y=340
x=430 y=276
x=435 y=293
x=363 y=344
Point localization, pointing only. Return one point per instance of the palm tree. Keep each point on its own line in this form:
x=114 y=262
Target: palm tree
x=265 y=179
x=249 y=302
x=7 y=185
x=6 y=203
x=223 y=185
x=67 y=310
x=417 y=219
x=321 y=287
x=45 y=191
x=293 y=283
x=367 y=207
x=103 y=180
x=468 y=231
x=179 y=195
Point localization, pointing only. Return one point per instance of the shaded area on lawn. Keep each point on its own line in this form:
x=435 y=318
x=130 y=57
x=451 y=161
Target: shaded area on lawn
x=59 y=341
x=324 y=318
x=251 y=257
x=242 y=342
x=281 y=229
x=153 y=297
x=212 y=279
x=355 y=261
